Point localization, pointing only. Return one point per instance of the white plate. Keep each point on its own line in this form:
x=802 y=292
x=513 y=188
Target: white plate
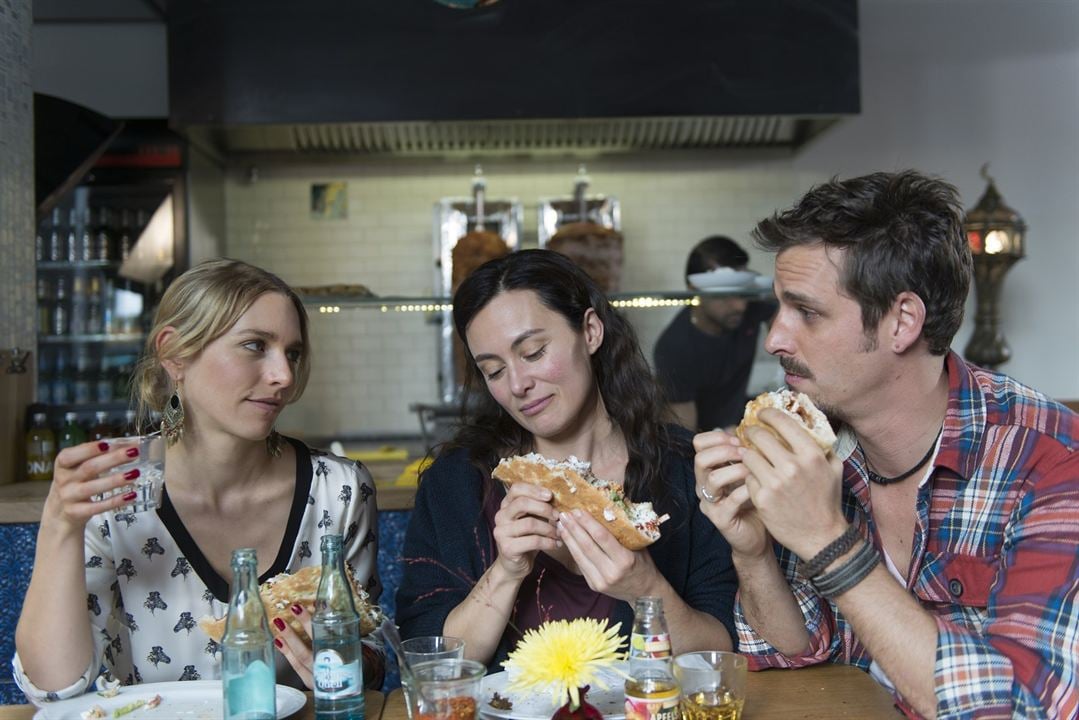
x=194 y=699
x=539 y=706
x=722 y=277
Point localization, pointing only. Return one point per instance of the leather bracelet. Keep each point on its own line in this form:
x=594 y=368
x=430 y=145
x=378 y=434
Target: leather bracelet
x=849 y=574
x=831 y=552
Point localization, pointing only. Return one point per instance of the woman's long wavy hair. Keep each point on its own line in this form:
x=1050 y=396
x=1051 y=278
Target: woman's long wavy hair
x=620 y=369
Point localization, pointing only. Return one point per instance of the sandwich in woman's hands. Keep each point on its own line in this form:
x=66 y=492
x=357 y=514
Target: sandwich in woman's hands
x=573 y=486
x=795 y=404
x=281 y=592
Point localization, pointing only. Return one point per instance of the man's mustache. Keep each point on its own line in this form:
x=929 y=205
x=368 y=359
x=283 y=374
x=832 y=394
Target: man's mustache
x=793 y=367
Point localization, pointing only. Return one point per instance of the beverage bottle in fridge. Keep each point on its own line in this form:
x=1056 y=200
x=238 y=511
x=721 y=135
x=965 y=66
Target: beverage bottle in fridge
x=44 y=307
x=95 y=316
x=61 y=385
x=652 y=692
x=102 y=243
x=59 y=324
x=44 y=377
x=77 y=323
x=81 y=387
x=101 y=428
x=71 y=433
x=40 y=449
x=335 y=630
x=104 y=382
x=86 y=238
x=126 y=239
x=71 y=244
x=248 y=676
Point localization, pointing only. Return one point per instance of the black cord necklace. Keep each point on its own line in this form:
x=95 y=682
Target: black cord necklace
x=881 y=480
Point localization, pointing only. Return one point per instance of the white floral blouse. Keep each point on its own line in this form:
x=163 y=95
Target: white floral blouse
x=148 y=583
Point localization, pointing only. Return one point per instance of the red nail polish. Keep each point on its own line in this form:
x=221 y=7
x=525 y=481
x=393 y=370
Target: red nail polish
x=130 y=496
x=132 y=452
x=102 y=446
x=278 y=643
x=296 y=609
x=131 y=474
x=279 y=623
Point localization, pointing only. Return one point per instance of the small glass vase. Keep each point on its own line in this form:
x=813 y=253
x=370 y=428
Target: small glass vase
x=584 y=711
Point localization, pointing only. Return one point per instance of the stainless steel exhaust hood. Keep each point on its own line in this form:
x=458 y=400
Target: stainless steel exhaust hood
x=417 y=77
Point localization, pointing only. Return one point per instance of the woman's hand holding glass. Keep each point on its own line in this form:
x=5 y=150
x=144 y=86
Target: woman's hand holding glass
x=81 y=476
x=524 y=525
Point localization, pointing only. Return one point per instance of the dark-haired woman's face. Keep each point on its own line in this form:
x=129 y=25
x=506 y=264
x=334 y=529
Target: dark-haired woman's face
x=535 y=365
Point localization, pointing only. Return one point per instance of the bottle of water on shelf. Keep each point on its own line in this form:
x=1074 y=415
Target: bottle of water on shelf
x=335 y=629
x=247 y=653
x=70 y=248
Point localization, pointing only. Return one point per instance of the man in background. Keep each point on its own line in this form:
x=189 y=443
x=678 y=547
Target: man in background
x=704 y=357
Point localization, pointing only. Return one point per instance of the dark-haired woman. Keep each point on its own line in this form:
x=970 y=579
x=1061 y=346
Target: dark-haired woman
x=555 y=371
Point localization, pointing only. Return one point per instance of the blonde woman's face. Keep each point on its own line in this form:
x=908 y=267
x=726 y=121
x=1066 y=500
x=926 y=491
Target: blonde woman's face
x=241 y=381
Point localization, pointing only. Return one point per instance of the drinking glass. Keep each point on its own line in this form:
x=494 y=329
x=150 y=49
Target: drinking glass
x=433 y=647
x=713 y=684
x=150 y=463
x=447 y=690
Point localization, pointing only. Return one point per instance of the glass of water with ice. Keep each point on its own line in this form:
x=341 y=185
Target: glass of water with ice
x=150 y=462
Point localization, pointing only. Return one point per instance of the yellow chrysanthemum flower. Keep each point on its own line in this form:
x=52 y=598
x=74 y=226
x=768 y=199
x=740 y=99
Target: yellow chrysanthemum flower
x=564 y=655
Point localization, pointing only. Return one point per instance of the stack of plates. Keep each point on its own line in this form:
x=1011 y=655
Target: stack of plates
x=726 y=277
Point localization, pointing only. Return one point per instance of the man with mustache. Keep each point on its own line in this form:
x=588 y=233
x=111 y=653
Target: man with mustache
x=704 y=358
x=935 y=546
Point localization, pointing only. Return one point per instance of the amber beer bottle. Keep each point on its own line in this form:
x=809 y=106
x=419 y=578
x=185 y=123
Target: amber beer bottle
x=652 y=693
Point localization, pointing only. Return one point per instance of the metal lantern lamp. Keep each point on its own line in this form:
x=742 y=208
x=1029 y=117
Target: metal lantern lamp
x=995 y=234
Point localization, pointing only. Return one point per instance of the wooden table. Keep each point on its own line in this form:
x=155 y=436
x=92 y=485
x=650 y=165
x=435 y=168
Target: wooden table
x=374 y=699
x=824 y=692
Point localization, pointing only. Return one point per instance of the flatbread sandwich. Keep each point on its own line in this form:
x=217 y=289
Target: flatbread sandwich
x=795 y=404
x=573 y=486
x=282 y=591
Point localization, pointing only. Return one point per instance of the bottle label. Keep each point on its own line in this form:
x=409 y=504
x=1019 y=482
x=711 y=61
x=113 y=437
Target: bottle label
x=334 y=678
x=650 y=646
x=658 y=707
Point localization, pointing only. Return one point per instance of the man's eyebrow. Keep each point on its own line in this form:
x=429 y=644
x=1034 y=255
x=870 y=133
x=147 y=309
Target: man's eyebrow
x=795 y=298
x=517 y=341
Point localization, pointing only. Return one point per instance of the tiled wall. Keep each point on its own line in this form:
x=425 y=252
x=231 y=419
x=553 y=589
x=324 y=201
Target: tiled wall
x=370 y=366
x=17 y=303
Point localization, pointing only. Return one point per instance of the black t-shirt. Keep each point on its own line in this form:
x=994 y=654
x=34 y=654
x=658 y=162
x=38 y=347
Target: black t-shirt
x=711 y=371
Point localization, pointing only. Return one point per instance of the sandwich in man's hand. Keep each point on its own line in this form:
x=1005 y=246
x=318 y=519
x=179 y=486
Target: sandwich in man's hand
x=795 y=404
x=573 y=486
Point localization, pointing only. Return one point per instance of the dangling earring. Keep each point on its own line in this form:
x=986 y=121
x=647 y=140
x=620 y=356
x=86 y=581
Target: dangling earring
x=274 y=443
x=172 y=418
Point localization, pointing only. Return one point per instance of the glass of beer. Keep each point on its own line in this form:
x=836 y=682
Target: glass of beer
x=713 y=684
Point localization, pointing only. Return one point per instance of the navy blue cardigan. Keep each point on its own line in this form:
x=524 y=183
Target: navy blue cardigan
x=449 y=545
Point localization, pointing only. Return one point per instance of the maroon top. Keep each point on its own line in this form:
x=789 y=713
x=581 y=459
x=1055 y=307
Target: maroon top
x=551 y=591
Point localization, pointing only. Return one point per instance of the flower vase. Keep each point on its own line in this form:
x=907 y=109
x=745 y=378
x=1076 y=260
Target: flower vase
x=583 y=711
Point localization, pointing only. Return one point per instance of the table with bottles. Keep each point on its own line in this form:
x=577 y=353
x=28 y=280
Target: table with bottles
x=822 y=692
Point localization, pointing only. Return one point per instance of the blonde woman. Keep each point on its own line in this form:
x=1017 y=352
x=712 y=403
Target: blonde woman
x=228 y=351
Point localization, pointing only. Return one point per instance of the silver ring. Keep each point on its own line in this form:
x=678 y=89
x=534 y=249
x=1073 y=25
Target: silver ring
x=706 y=496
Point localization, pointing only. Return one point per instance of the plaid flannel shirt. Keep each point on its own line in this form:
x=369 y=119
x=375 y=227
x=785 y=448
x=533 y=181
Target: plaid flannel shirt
x=995 y=557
